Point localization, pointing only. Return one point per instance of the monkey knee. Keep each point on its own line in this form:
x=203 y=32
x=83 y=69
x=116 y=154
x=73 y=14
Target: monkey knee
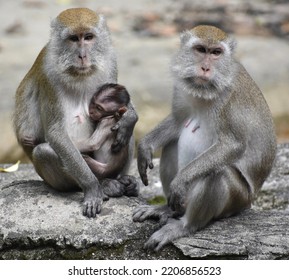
x=217 y=196
x=48 y=167
x=236 y=192
x=42 y=152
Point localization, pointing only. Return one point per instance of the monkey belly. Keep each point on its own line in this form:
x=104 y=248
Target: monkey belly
x=196 y=137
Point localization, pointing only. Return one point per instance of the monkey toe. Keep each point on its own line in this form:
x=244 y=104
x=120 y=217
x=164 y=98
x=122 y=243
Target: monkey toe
x=91 y=210
x=131 y=186
x=132 y=190
x=91 y=207
x=144 y=212
x=172 y=230
x=139 y=213
x=156 y=242
x=112 y=188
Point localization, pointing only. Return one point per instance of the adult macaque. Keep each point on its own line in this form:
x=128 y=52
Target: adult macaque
x=52 y=103
x=218 y=144
x=106 y=107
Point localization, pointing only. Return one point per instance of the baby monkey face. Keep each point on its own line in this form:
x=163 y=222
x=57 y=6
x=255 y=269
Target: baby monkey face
x=101 y=107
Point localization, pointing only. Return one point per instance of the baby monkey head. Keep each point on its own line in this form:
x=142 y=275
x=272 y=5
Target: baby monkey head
x=110 y=100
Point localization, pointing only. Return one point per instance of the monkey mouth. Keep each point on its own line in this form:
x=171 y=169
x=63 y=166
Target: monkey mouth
x=199 y=80
x=81 y=70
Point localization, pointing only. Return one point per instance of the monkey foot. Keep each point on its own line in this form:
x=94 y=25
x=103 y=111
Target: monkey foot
x=131 y=186
x=112 y=188
x=172 y=230
x=144 y=212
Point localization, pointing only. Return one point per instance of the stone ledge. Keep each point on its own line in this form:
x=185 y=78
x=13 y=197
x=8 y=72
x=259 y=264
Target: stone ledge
x=39 y=223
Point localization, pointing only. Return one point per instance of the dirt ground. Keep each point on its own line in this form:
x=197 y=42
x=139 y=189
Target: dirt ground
x=145 y=35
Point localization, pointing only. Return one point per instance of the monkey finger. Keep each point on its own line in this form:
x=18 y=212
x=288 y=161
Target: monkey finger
x=116 y=147
x=87 y=210
x=115 y=127
x=119 y=142
x=144 y=179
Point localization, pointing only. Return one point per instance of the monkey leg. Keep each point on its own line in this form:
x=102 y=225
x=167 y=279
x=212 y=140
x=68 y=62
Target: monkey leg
x=47 y=164
x=219 y=195
x=216 y=196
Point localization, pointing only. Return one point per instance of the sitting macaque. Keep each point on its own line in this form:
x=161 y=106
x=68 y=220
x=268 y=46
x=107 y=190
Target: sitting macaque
x=106 y=107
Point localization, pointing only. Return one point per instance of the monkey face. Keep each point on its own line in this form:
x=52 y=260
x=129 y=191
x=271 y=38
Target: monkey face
x=204 y=65
x=80 y=42
x=81 y=46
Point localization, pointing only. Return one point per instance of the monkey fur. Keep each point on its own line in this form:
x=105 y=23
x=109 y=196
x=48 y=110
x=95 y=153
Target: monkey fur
x=52 y=100
x=218 y=143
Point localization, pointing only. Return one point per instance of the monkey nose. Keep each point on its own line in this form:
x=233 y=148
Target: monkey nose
x=205 y=69
x=82 y=58
x=82 y=55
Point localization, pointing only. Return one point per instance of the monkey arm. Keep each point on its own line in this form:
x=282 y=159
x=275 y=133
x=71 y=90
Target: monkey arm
x=110 y=169
x=167 y=131
x=124 y=128
x=101 y=134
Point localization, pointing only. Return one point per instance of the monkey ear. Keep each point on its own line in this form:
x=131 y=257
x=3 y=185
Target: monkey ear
x=232 y=43
x=53 y=24
x=102 y=22
x=185 y=37
x=122 y=110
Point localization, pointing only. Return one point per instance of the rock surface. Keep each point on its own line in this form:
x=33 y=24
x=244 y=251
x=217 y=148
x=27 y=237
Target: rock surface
x=38 y=223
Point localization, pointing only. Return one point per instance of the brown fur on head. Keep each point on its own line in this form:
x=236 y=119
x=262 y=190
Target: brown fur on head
x=78 y=18
x=209 y=33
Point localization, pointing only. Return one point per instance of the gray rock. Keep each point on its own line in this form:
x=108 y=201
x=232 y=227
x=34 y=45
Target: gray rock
x=39 y=223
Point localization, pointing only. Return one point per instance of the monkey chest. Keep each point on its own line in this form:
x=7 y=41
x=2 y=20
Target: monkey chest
x=79 y=126
x=197 y=135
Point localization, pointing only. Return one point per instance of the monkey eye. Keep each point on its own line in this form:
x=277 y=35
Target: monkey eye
x=99 y=108
x=88 y=37
x=216 y=52
x=73 y=38
x=200 y=49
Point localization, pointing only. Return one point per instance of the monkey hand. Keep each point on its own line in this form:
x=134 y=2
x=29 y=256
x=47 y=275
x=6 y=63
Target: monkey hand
x=29 y=141
x=144 y=160
x=92 y=202
x=177 y=198
x=124 y=131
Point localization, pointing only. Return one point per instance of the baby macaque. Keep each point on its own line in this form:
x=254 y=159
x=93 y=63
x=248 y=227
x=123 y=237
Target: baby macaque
x=51 y=105
x=106 y=107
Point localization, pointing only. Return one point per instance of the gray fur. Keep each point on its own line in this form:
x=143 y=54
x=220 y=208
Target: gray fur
x=51 y=110
x=218 y=144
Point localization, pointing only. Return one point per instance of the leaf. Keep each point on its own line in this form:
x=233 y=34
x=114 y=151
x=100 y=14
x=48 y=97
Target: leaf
x=12 y=168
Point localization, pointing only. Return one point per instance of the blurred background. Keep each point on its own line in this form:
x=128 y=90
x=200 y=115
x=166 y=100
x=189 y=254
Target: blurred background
x=145 y=34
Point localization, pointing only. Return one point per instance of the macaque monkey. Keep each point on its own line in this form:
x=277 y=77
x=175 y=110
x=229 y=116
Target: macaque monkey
x=105 y=108
x=52 y=103
x=218 y=144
